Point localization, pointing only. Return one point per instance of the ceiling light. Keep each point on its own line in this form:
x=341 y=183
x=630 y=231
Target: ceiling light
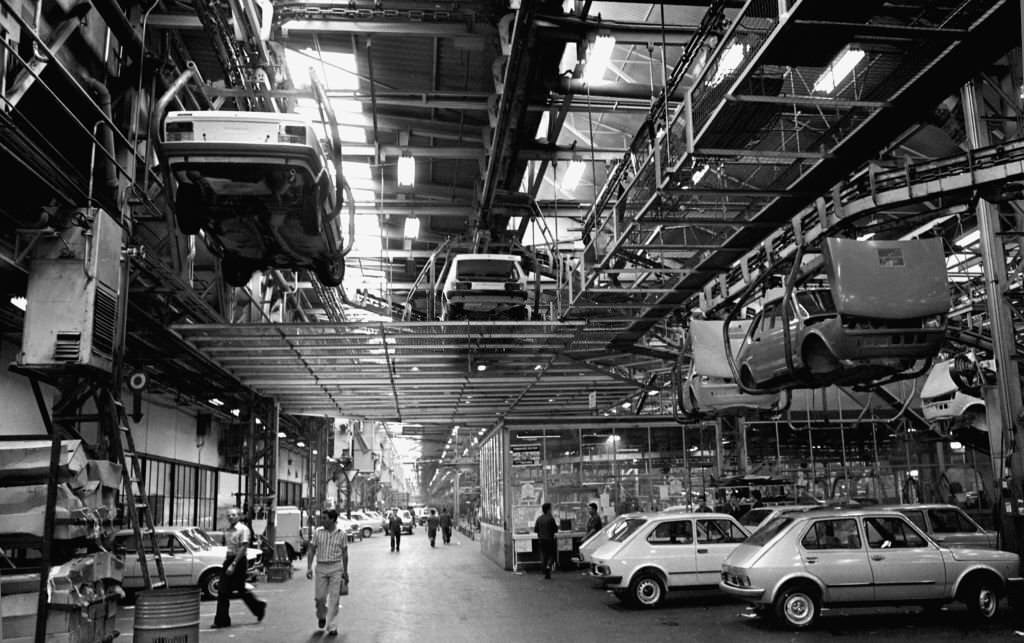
x=412 y=227
x=19 y=302
x=699 y=173
x=838 y=70
x=481 y=367
x=406 y=170
x=215 y=401
x=599 y=54
x=729 y=62
x=300 y=444
x=572 y=175
x=236 y=412
x=315 y=452
x=537 y=367
x=626 y=405
x=282 y=434
x=456 y=427
x=415 y=369
x=653 y=391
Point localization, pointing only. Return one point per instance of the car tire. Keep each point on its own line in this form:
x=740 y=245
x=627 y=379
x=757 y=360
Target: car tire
x=797 y=607
x=366 y=532
x=236 y=271
x=189 y=208
x=209 y=584
x=981 y=596
x=646 y=591
x=330 y=272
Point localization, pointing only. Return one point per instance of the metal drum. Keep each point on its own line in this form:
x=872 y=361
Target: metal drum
x=167 y=616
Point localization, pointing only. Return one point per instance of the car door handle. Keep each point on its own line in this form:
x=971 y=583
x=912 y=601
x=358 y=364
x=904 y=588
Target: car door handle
x=877 y=557
x=702 y=551
x=810 y=561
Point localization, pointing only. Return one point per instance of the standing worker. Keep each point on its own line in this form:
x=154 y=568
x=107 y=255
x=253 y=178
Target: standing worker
x=432 y=523
x=546 y=529
x=446 y=526
x=395 y=530
x=329 y=545
x=594 y=523
x=232 y=573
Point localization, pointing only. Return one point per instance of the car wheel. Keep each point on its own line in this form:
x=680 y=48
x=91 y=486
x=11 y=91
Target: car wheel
x=797 y=607
x=331 y=271
x=646 y=590
x=982 y=599
x=367 y=532
x=189 y=208
x=236 y=271
x=209 y=584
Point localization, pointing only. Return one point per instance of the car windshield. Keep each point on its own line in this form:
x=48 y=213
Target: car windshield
x=191 y=540
x=768 y=531
x=816 y=302
x=489 y=268
x=754 y=517
x=205 y=537
x=624 y=529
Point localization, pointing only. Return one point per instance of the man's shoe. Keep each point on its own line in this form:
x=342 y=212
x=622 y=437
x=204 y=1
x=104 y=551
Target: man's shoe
x=216 y=626
x=321 y=622
x=332 y=632
x=261 y=612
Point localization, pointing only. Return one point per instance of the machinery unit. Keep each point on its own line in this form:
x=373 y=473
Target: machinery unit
x=71 y=318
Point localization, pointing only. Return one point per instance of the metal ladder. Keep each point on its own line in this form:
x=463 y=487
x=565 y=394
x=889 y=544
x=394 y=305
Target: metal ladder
x=136 y=507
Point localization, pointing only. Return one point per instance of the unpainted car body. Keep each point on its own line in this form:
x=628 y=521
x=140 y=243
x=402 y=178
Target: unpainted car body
x=652 y=553
x=190 y=557
x=796 y=564
x=485 y=286
x=885 y=308
x=709 y=388
x=261 y=187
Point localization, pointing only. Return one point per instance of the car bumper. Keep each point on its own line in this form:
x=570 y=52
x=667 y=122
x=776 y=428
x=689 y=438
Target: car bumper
x=753 y=594
x=899 y=343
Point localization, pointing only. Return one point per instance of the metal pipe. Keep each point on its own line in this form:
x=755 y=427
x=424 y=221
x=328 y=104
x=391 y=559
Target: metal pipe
x=103 y=101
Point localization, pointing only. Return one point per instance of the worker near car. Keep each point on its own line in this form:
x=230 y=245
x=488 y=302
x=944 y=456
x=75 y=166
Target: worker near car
x=432 y=523
x=703 y=507
x=445 y=520
x=594 y=523
x=329 y=545
x=233 y=572
x=395 y=530
x=546 y=528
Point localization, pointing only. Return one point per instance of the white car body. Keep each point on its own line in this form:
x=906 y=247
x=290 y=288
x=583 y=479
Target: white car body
x=942 y=400
x=709 y=389
x=485 y=286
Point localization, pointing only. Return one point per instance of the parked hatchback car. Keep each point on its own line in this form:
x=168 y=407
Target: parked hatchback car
x=365 y=524
x=798 y=563
x=948 y=525
x=261 y=187
x=189 y=555
x=653 y=553
x=601 y=536
x=884 y=309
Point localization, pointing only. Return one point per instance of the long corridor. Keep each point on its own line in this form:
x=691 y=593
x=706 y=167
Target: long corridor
x=453 y=594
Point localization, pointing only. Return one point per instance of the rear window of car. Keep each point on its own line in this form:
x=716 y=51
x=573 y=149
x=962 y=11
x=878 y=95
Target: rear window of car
x=626 y=528
x=672 y=532
x=488 y=268
x=839 y=533
x=769 y=530
x=754 y=517
x=950 y=521
x=719 y=531
x=895 y=533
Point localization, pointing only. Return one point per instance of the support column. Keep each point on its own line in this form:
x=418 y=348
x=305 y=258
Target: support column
x=1005 y=435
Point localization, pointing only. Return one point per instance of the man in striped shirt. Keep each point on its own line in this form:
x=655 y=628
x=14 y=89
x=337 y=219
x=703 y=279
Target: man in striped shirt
x=329 y=546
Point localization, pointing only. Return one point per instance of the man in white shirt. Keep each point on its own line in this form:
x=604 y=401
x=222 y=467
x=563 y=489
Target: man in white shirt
x=329 y=545
x=232 y=573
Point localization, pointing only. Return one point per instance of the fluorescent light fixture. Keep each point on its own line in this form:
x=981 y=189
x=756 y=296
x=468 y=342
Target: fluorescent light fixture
x=19 y=302
x=481 y=367
x=626 y=405
x=300 y=444
x=572 y=175
x=236 y=412
x=956 y=446
x=282 y=434
x=537 y=367
x=455 y=429
x=653 y=391
x=412 y=228
x=542 y=127
x=599 y=54
x=215 y=401
x=406 y=170
x=969 y=239
x=699 y=173
x=838 y=70
x=729 y=62
x=315 y=452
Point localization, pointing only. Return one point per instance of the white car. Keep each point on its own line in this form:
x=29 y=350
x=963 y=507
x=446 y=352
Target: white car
x=942 y=400
x=590 y=545
x=190 y=557
x=485 y=286
x=653 y=553
x=365 y=524
x=709 y=388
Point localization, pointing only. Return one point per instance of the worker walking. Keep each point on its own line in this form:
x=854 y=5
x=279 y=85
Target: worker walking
x=329 y=545
x=446 y=526
x=432 y=524
x=395 y=530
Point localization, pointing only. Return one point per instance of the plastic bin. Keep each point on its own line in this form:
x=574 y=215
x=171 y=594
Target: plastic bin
x=167 y=616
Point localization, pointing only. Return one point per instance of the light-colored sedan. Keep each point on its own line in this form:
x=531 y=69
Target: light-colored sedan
x=653 y=553
x=189 y=558
x=366 y=524
x=948 y=525
x=799 y=563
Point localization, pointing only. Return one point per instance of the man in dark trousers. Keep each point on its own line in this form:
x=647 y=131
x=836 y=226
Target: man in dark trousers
x=395 y=530
x=432 y=523
x=594 y=523
x=546 y=528
x=232 y=574
x=446 y=526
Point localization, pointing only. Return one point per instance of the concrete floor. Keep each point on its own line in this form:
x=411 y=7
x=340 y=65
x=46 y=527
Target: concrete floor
x=453 y=594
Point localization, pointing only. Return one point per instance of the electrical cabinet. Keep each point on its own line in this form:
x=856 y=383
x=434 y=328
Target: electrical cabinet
x=71 y=318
